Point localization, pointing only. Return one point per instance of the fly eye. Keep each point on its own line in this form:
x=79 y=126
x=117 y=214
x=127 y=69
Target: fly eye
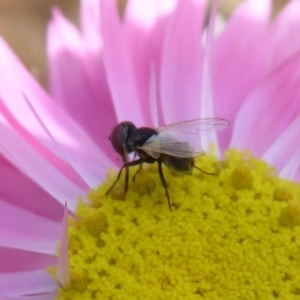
x=119 y=136
x=116 y=138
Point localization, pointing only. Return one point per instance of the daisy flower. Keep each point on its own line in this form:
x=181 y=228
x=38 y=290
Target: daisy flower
x=234 y=235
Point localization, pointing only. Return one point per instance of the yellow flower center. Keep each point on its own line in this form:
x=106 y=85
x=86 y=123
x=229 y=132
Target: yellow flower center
x=235 y=235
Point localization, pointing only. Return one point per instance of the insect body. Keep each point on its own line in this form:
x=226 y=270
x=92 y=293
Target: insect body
x=173 y=145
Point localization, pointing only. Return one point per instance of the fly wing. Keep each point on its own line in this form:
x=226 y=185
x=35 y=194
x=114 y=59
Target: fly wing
x=196 y=126
x=181 y=139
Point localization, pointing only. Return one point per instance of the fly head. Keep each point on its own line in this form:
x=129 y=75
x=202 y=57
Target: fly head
x=119 y=137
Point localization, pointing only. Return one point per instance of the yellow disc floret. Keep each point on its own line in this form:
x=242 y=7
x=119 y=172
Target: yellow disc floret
x=235 y=235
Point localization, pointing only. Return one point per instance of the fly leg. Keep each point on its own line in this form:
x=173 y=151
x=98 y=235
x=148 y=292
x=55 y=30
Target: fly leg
x=126 y=167
x=125 y=160
x=162 y=178
x=207 y=173
x=138 y=170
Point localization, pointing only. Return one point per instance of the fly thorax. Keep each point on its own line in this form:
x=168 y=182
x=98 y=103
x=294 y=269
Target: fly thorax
x=139 y=136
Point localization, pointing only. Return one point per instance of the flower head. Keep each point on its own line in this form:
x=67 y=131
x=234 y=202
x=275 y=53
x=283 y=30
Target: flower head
x=151 y=66
x=226 y=234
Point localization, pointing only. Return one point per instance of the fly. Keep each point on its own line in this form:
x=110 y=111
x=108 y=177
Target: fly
x=173 y=145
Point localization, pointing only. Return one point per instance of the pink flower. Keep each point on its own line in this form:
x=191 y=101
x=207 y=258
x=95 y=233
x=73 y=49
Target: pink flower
x=149 y=67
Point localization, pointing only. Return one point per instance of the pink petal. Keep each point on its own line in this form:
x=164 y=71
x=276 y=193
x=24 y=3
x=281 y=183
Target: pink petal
x=27 y=283
x=146 y=14
x=145 y=24
x=269 y=109
x=21 y=191
x=240 y=59
x=155 y=109
x=206 y=103
x=16 y=260
x=284 y=152
x=284 y=34
x=291 y=170
x=21 y=229
x=181 y=63
x=120 y=73
x=26 y=159
x=83 y=90
x=89 y=23
x=62 y=268
x=40 y=116
x=48 y=296
x=17 y=112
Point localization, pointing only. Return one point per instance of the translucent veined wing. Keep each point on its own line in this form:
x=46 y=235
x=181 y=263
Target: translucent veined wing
x=181 y=139
x=196 y=126
x=162 y=144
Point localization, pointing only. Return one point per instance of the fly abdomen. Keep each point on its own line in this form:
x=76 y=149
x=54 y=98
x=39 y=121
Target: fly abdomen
x=182 y=165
